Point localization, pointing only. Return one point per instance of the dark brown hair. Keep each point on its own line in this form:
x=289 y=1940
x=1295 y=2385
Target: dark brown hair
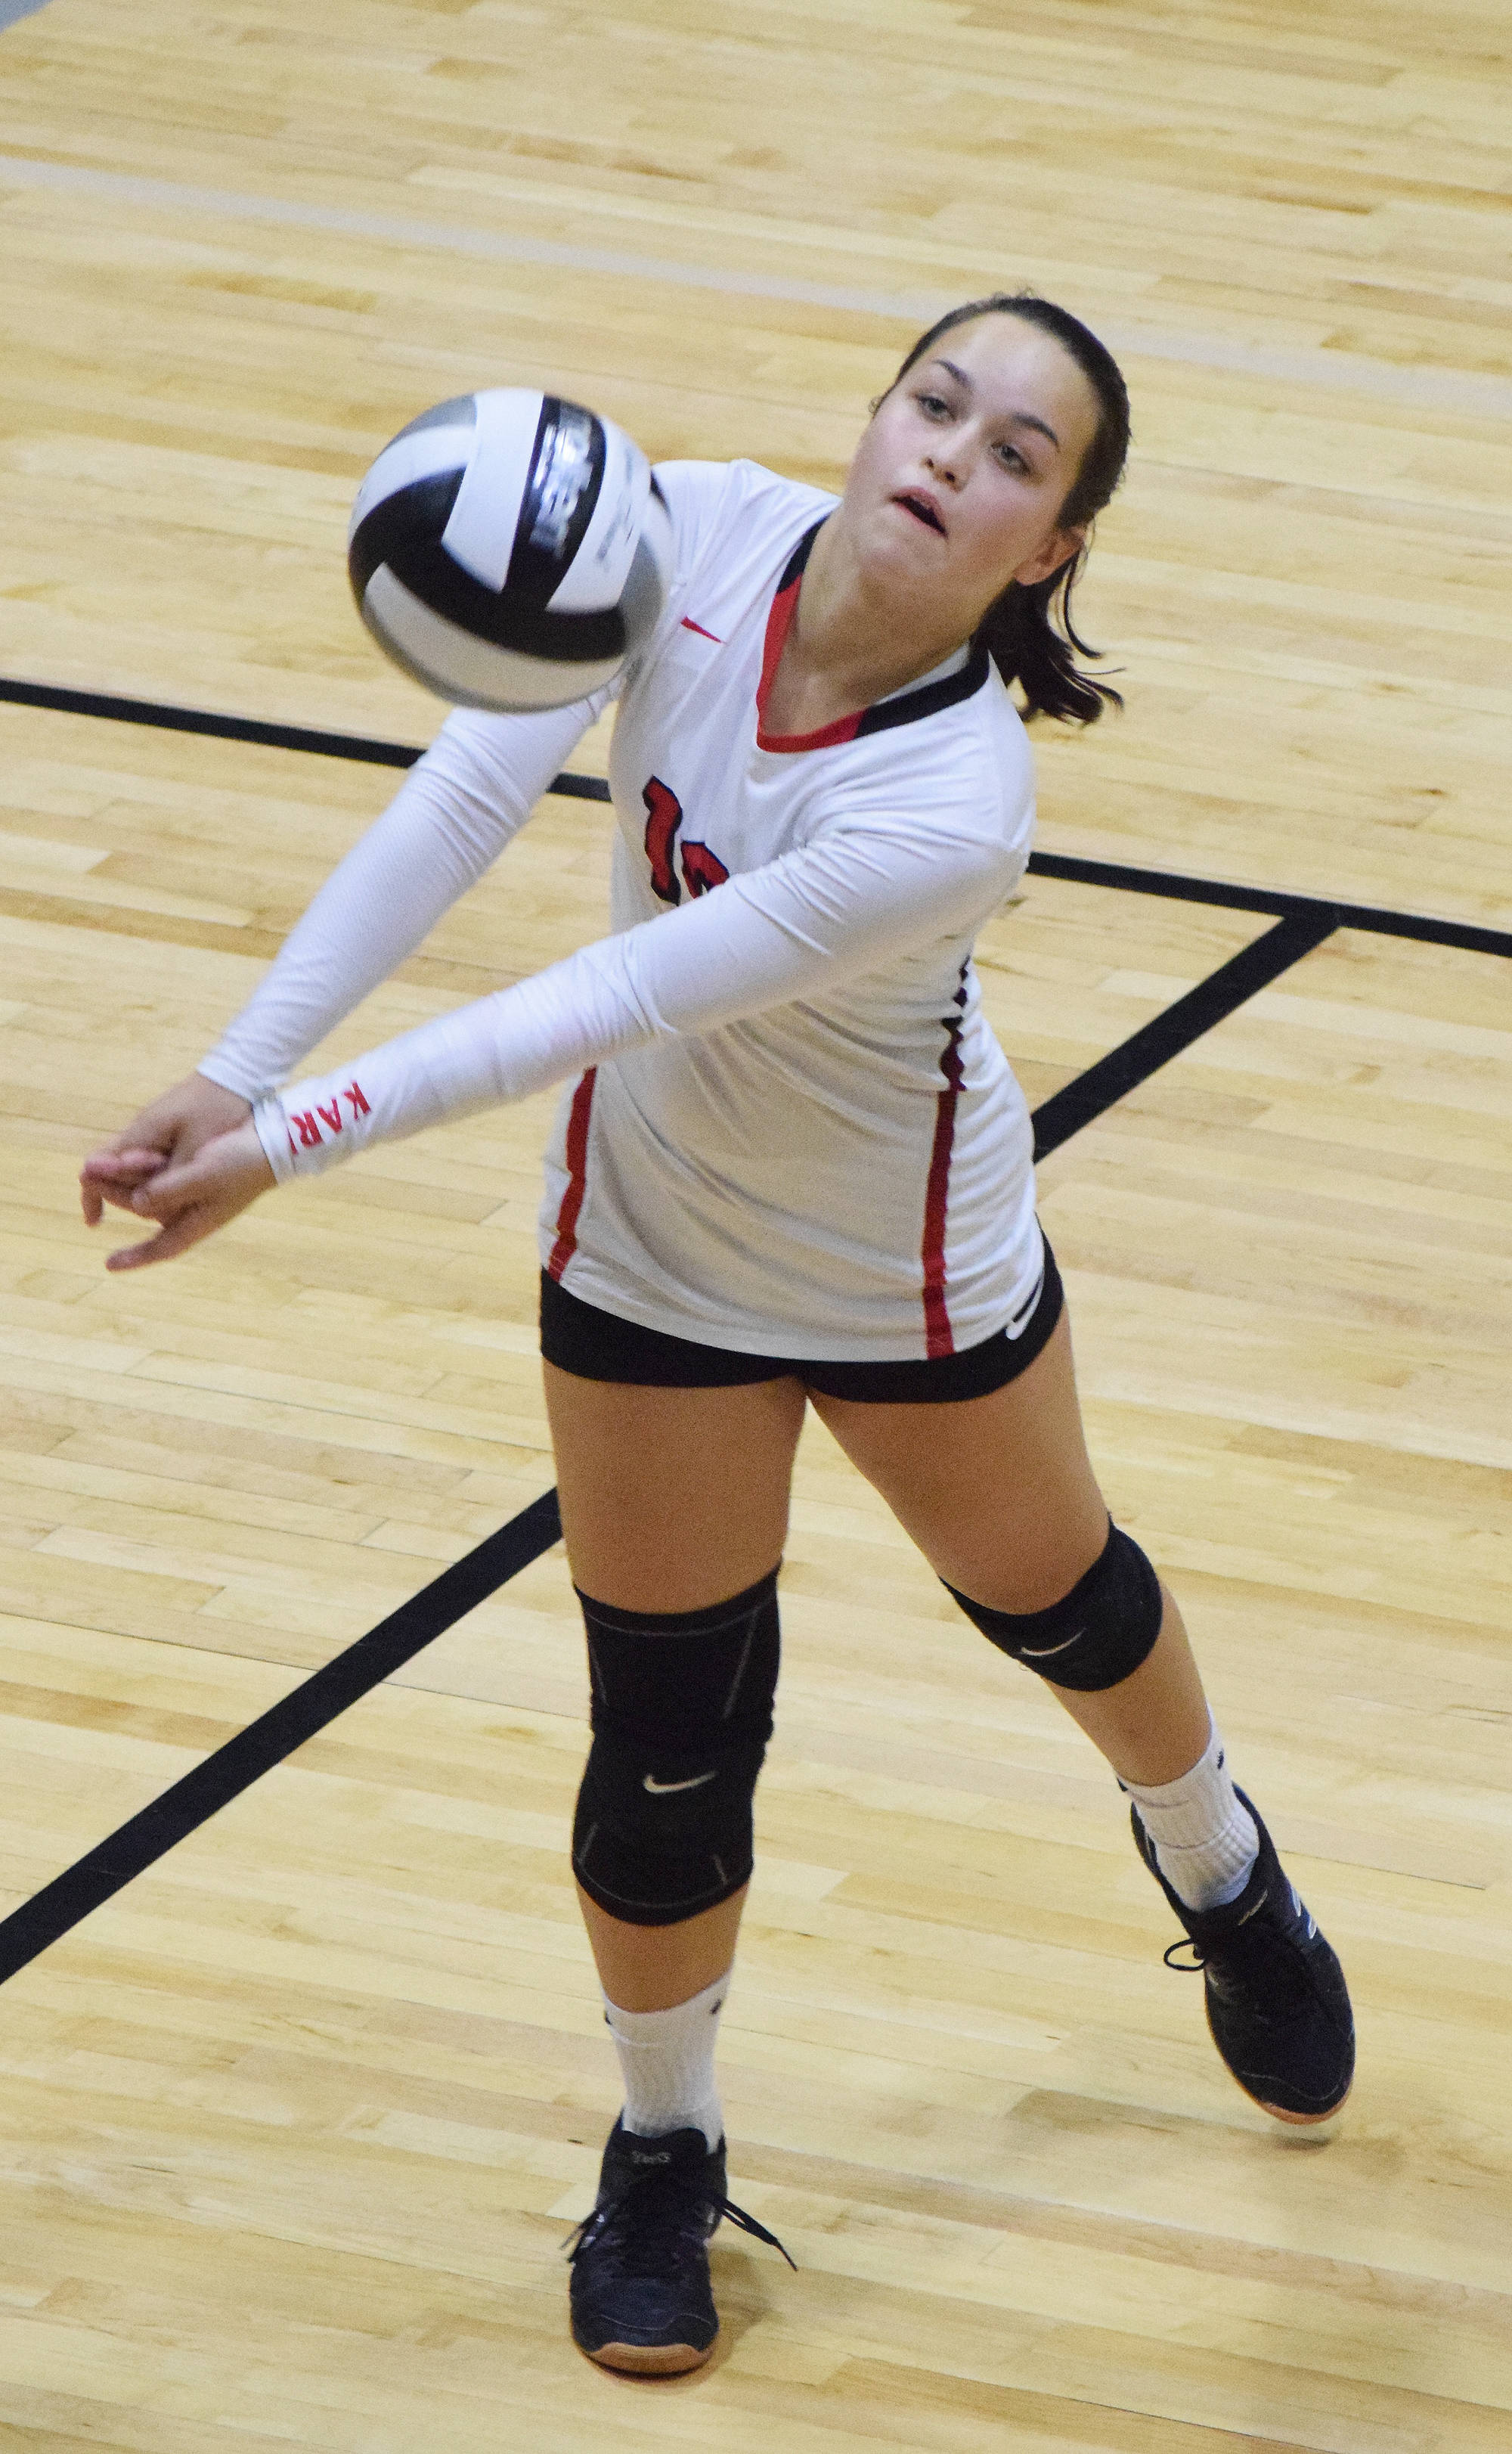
x=1028 y=629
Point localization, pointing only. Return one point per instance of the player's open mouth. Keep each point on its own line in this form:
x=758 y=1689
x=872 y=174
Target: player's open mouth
x=923 y=509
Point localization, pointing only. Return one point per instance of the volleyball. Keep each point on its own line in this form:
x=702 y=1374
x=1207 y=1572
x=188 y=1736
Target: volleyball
x=509 y=550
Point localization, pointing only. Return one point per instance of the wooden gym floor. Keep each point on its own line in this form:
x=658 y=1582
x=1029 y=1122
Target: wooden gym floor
x=294 y=2124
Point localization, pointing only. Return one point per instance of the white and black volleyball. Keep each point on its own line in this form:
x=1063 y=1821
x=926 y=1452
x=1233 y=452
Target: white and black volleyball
x=509 y=550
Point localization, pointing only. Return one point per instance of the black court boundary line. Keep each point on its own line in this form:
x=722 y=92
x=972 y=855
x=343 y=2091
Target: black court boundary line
x=1470 y=937
x=1136 y=1059
x=355 y=747
x=1303 y=923
x=1126 y=879
x=148 y=1836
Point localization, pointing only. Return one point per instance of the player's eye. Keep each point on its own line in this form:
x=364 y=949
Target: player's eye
x=933 y=404
x=1013 y=458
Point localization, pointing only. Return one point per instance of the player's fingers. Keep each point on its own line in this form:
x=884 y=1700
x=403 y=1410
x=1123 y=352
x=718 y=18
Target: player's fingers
x=115 y=1179
x=113 y=1176
x=188 y=1228
x=214 y=1170
x=191 y=1201
x=229 y=1172
x=163 y=1198
x=112 y=1165
x=120 y=1197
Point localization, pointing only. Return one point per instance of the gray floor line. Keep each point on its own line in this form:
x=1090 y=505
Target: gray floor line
x=1462 y=391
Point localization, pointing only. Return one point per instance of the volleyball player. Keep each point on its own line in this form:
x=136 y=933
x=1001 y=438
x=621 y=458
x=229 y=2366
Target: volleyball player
x=791 y=1168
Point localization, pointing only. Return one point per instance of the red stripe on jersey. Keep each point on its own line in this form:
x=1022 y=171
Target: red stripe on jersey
x=939 y=1338
x=844 y=728
x=577 y=1160
x=690 y=625
x=779 y=622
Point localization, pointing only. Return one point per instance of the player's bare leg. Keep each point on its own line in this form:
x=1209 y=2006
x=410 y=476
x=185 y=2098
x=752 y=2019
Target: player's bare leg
x=671 y=1497
x=1000 y=1494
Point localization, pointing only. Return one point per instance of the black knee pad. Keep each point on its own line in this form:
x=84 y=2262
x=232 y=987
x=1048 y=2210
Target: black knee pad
x=1097 y=1635
x=682 y=1713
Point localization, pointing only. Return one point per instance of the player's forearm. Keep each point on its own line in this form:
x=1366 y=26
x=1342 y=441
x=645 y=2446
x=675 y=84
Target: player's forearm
x=503 y=1048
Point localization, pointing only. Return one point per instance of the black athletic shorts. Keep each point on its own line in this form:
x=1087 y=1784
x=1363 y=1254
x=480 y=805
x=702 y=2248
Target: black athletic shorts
x=595 y=1345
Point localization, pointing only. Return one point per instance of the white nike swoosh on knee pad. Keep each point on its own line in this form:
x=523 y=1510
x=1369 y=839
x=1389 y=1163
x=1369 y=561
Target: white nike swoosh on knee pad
x=662 y=1788
x=1044 y=1651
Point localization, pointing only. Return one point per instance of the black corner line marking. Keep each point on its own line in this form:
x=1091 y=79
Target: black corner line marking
x=1143 y=1054
x=1468 y=935
x=138 y=1843
x=355 y=747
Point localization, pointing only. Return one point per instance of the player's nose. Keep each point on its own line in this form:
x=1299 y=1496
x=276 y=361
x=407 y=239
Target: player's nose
x=949 y=468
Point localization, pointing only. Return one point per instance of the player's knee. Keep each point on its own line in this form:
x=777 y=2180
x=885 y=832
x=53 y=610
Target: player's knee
x=682 y=1712
x=1098 y=1634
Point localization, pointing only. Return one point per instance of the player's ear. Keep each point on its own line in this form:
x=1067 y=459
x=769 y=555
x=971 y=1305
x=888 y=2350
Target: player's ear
x=1061 y=547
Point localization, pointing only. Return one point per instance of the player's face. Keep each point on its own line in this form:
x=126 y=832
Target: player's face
x=963 y=469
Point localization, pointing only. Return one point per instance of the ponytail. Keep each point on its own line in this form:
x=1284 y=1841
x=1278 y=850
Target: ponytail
x=1033 y=641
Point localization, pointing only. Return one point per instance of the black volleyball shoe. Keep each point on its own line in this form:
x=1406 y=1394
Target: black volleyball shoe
x=641 y=2294
x=1277 y=2006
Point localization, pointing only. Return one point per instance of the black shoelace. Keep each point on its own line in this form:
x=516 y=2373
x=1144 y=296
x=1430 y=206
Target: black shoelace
x=1247 y=1964
x=655 y=2223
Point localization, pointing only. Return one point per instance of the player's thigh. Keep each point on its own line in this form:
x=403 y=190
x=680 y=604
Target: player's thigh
x=998 y=1492
x=673 y=1499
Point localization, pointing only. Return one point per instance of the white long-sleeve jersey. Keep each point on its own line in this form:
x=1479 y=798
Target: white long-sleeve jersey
x=787 y=1127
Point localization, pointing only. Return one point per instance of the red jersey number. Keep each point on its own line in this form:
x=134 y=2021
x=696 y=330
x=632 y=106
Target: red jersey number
x=664 y=817
x=701 y=869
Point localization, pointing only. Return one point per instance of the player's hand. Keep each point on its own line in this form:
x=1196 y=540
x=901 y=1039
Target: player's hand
x=188 y=1195
x=173 y=1129
x=189 y=1201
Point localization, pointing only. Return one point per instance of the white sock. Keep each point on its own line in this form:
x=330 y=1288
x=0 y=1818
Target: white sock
x=1203 y=1835
x=668 y=2061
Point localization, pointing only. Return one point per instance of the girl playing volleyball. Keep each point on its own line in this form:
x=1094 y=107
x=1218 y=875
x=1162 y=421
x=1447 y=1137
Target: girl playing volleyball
x=790 y=1168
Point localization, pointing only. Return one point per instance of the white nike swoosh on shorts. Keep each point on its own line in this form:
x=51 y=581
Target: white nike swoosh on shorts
x=664 y=1788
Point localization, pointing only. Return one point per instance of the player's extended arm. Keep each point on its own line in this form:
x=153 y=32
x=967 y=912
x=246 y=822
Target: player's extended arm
x=803 y=925
x=457 y=809
x=800 y=927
